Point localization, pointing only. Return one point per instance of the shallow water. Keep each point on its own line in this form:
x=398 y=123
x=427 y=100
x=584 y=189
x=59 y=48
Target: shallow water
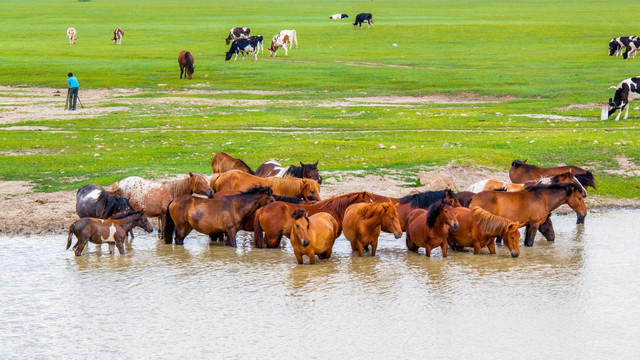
x=574 y=298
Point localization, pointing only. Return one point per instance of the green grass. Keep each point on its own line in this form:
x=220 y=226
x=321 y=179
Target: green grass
x=544 y=55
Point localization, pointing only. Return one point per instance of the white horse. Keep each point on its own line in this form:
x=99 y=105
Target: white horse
x=71 y=34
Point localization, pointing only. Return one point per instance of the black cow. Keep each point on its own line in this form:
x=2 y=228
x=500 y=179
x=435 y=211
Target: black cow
x=616 y=45
x=627 y=90
x=248 y=46
x=237 y=33
x=362 y=18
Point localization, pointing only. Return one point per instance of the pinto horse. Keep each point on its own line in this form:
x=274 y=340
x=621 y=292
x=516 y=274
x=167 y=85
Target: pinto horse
x=363 y=222
x=153 y=197
x=213 y=216
x=430 y=228
x=304 y=171
x=532 y=206
x=270 y=222
x=495 y=184
x=521 y=172
x=94 y=201
x=185 y=60
x=314 y=235
x=478 y=228
x=238 y=180
x=223 y=162
x=112 y=231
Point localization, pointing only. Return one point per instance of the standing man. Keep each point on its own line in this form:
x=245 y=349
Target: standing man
x=73 y=91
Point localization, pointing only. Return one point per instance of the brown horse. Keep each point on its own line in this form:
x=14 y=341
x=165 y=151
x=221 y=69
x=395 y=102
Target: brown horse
x=495 y=184
x=363 y=222
x=223 y=162
x=532 y=206
x=153 y=197
x=112 y=231
x=185 y=60
x=313 y=235
x=478 y=228
x=521 y=172
x=238 y=180
x=430 y=228
x=272 y=218
x=213 y=216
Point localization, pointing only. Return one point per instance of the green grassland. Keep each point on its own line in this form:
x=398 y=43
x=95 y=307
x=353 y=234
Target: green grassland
x=540 y=57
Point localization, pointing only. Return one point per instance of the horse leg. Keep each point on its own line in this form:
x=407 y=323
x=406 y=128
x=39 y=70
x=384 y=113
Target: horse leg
x=120 y=246
x=299 y=257
x=231 y=233
x=111 y=247
x=530 y=235
x=359 y=248
x=161 y=220
x=476 y=248
x=79 y=246
x=181 y=234
x=312 y=258
x=181 y=71
x=278 y=240
x=444 y=246
x=626 y=115
x=546 y=229
x=353 y=245
x=374 y=246
x=427 y=250
x=492 y=248
x=326 y=254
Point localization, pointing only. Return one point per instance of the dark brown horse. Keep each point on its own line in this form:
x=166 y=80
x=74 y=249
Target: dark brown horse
x=532 y=206
x=304 y=171
x=185 y=60
x=213 y=216
x=521 y=173
x=223 y=162
x=430 y=228
x=272 y=218
x=112 y=231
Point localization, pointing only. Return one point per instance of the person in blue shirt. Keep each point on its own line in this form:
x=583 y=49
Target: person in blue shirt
x=73 y=91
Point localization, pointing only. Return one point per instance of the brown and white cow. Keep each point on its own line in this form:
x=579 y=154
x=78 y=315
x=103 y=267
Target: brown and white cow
x=238 y=33
x=117 y=36
x=293 y=38
x=71 y=34
x=279 y=41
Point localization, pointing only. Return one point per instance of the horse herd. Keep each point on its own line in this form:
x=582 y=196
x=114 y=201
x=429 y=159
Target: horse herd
x=276 y=201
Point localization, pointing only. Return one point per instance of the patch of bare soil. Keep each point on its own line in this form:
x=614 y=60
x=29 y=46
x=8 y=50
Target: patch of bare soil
x=627 y=168
x=555 y=117
x=579 y=107
x=462 y=98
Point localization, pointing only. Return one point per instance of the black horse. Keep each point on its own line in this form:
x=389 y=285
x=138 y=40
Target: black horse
x=94 y=201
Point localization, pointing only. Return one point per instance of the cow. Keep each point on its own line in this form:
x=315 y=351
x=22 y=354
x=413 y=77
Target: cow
x=616 y=45
x=362 y=18
x=626 y=91
x=117 y=36
x=293 y=38
x=260 y=39
x=338 y=16
x=71 y=34
x=279 y=41
x=237 y=33
x=248 y=46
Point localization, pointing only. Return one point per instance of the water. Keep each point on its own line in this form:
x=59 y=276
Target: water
x=575 y=298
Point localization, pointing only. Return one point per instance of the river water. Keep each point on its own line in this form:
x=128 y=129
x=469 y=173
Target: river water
x=578 y=297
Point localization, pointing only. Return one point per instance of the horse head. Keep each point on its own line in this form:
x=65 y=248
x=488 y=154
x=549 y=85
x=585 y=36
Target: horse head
x=568 y=177
x=300 y=228
x=451 y=197
x=511 y=237
x=576 y=201
x=143 y=222
x=391 y=220
x=310 y=190
x=199 y=185
x=310 y=171
x=442 y=210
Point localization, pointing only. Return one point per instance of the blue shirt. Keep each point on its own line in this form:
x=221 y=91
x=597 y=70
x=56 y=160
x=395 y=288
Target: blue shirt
x=73 y=82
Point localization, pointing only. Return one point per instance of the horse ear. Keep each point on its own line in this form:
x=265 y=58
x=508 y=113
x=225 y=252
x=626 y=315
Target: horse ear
x=190 y=174
x=525 y=160
x=301 y=164
x=316 y=164
x=512 y=226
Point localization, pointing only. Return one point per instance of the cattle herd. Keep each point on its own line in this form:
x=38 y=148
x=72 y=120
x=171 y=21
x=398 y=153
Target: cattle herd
x=276 y=201
x=627 y=90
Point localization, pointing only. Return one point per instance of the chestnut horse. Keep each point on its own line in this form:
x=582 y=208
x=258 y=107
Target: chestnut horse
x=223 y=162
x=238 y=180
x=272 y=218
x=112 y=231
x=495 y=184
x=153 y=197
x=430 y=228
x=213 y=216
x=304 y=171
x=363 y=222
x=314 y=235
x=185 y=60
x=478 y=228
x=521 y=172
x=532 y=206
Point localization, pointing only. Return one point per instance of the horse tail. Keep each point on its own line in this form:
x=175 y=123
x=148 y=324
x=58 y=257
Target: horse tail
x=169 y=226
x=258 y=236
x=72 y=229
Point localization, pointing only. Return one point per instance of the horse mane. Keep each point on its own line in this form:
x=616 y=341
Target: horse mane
x=258 y=189
x=285 y=185
x=112 y=204
x=298 y=213
x=288 y=199
x=434 y=212
x=294 y=171
x=586 y=179
x=247 y=166
x=125 y=214
x=491 y=224
x=368 y=211
x=518 y=163
x=568 y=187
x=425 y=199
x=187 y=59
x=339 y=204
x=177 y=187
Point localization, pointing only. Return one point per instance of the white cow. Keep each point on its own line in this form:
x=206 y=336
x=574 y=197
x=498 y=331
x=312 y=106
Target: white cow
x=292 y=37
x=338 y=16
x=71 y=34
x=279 y=41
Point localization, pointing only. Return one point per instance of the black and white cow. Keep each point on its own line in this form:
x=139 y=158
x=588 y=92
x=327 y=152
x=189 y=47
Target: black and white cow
x=363 y=18
x=338 y=16
x=237 y=33
x=627 y=90
x=260 y=47
x=242 y=46
x=617 y=45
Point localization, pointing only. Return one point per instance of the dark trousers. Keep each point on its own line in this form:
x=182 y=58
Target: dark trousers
x=73 y=98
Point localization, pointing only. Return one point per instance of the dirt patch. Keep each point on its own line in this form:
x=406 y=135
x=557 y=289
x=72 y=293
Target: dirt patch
x=462 y=98
x=579 y=107
x=556 y=117
x=627 y=168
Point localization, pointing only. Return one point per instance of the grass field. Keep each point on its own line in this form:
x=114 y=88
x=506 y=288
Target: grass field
x=535 y=57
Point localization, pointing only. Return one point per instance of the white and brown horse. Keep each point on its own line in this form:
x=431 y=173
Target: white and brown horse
x=117 y=36
x=304 y=171
x=71 y=34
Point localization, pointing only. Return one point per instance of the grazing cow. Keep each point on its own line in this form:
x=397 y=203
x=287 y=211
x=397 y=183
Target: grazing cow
x=279 y=41
x=117 y=36
x=260 y=39
x=616 y=45
x=248 y=46
x=338 y=16
x=627 y=90
x=237 y=33
x=363 y=18
x=71 y=34
x=293 y=38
